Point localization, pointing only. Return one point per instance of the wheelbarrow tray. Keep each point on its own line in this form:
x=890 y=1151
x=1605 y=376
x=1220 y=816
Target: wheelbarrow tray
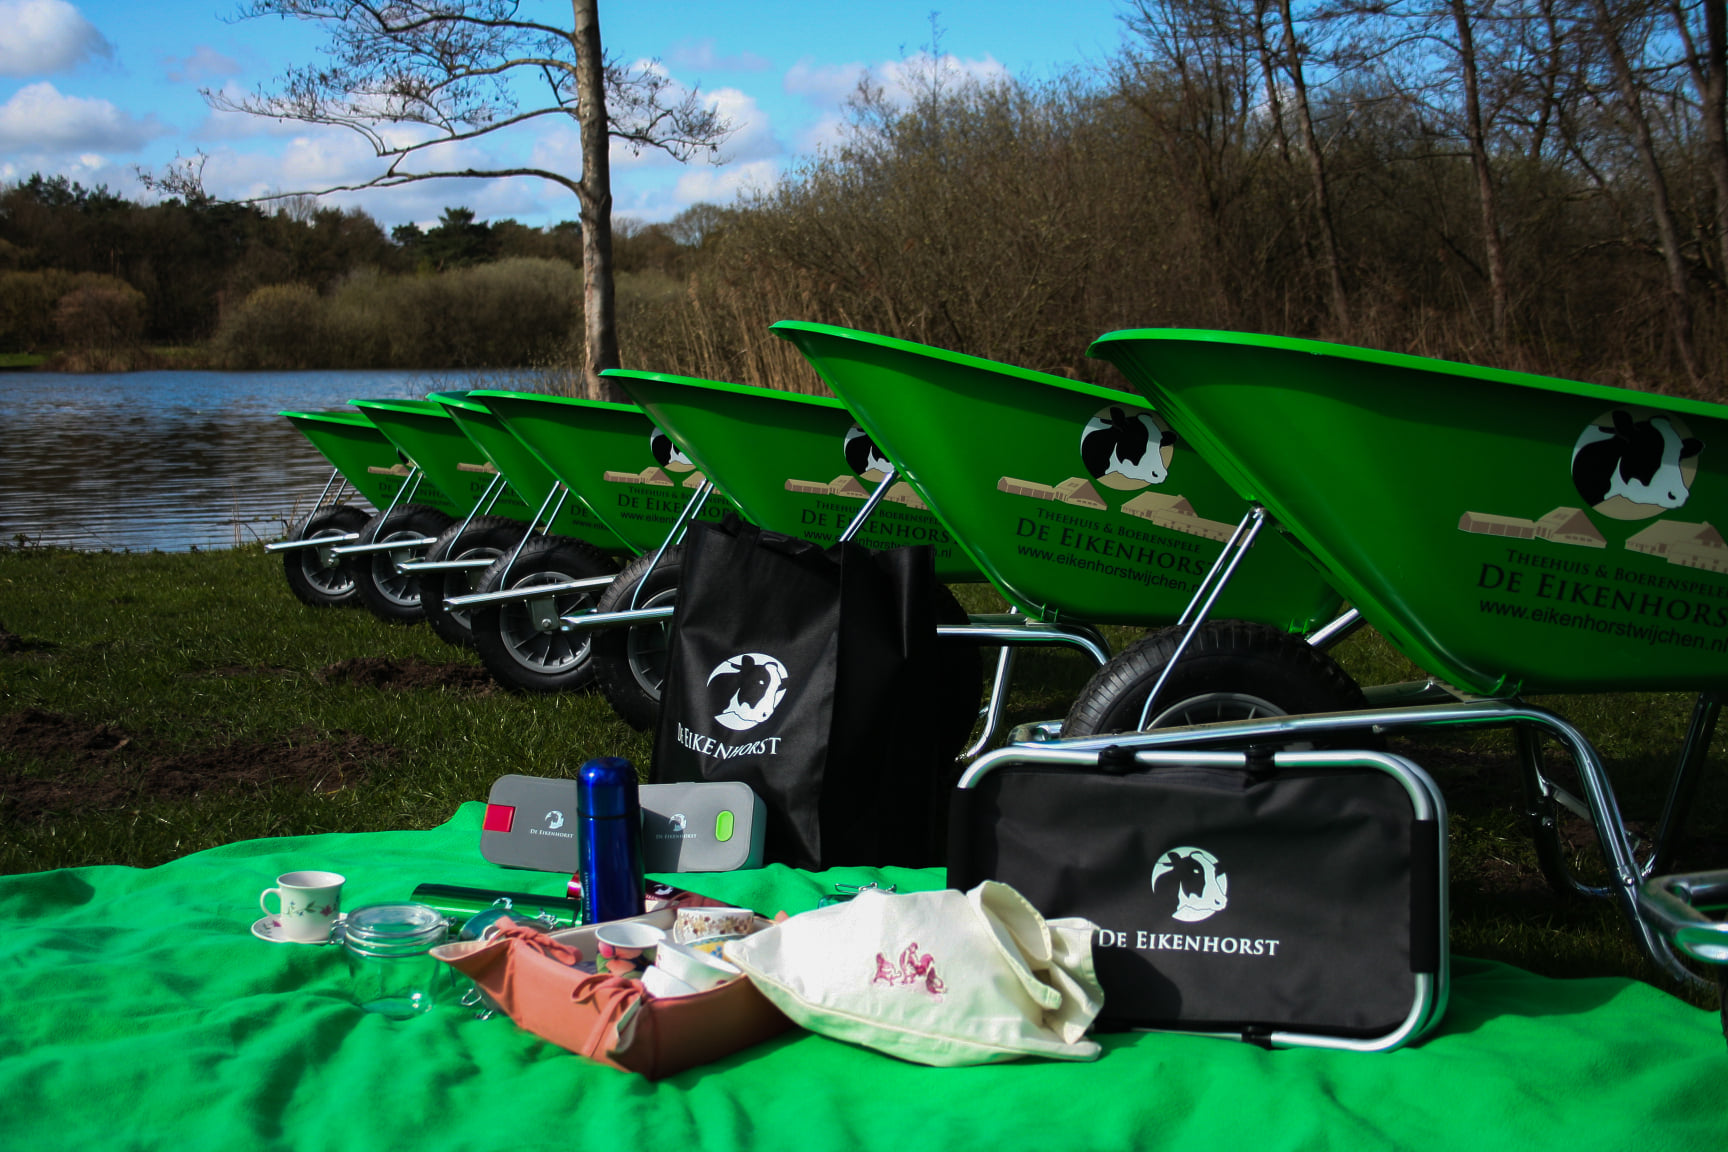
x=364 y=456
x=1065 y=531
x=605 y=453
x=426 y=434
x=530 y=481
x=1507 y=532
x=782 y=458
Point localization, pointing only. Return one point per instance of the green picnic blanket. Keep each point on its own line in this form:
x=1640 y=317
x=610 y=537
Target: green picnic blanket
x=137 y=1011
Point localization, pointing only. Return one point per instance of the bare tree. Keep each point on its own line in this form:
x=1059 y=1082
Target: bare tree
x=1706 y=56
x=1616 y=28
x=411 y=75
x=1292 y=61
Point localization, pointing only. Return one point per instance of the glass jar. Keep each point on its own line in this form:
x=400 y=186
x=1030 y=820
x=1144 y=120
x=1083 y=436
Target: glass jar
x=390 y=964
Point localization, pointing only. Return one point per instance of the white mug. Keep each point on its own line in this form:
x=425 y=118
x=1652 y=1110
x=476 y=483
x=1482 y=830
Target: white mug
x=309 y=903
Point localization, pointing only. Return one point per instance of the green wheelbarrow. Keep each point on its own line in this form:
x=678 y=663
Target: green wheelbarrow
x=1511 y=534
x=497 y=497
x=1083 y=507
x=529 y=607
x=361 y=458
x=800 y=466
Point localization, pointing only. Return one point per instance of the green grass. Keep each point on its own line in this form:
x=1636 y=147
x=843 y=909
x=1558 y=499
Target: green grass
x=22 y=359
x=196 y=655
x=208 y=650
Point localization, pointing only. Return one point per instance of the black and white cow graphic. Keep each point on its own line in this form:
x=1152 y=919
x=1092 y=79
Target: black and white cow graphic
x=1123 y=448
x=666 y=453
x=1644 y=461
x=863 y=457
x=1200 y=886
x=747 y=688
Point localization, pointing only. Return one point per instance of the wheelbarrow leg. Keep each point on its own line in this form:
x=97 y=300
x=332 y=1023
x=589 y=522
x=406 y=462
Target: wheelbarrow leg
x=1540 y=811
x=675 y=535
x=1194 y=616
x=1684 y=787
x=998 y=698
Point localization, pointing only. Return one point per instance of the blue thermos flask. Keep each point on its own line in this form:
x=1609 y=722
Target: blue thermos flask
x=609 y=839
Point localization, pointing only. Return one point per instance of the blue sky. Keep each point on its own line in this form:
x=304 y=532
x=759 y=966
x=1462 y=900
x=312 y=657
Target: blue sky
x=93 y=90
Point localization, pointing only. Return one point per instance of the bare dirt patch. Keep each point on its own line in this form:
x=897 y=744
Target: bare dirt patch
x=11 y=643
x=387 y=672
x=101 y=767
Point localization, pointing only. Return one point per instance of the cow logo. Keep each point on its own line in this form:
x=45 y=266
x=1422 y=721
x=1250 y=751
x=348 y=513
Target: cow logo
x=1201 y=889
x=750 y=686
x=666 y=453
x=678 y=822
x=1631 y=465
x=1127 y=448
x=863 y=457
x=554 y=819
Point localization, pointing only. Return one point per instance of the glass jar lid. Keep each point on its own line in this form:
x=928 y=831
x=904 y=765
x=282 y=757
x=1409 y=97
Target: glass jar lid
x=393 y=929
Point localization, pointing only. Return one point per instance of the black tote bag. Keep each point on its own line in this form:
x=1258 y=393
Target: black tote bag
x=813 y=675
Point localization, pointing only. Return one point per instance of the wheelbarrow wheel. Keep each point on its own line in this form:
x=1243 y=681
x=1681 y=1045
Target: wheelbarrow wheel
x=486 y=538
x=521 y=642
x=317 y=578
x=393 y=596
x=630 y=663
x=1232 y=670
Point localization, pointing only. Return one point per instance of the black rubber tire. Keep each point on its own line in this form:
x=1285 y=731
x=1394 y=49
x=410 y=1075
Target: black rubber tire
x=392 y=596
x=1233 y=670
x=485 y=538
x=317 y=579
x=630 y=663
x=520 y=656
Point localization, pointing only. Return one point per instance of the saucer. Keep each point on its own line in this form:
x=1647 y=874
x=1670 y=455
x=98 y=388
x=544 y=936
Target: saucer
x=266 y=928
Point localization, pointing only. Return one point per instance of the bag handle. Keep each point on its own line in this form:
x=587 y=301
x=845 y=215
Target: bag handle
x=1259 y=762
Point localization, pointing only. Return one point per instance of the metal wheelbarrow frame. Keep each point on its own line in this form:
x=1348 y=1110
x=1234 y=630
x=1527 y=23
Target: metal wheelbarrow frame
x=363 y=459
x=1448 y=502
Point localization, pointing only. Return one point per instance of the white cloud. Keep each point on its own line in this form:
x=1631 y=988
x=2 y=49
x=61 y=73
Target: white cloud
x=904 y=79
x=829 y=86
x=701 y=54
x=39 y=119
x=826 y=85
x=324 y=157
x=752 y=135
x=46 y=36
x=88 y=168
x=723 y=185
x=205 y=63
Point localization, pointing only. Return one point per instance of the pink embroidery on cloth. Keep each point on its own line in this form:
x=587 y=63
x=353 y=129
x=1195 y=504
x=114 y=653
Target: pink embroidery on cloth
x=912 y=969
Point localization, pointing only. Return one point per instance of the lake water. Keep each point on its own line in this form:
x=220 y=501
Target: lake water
x=175 y=460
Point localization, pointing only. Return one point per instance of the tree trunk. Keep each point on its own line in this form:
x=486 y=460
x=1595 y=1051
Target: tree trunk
x=1667 y=233
x=599 y=310
x=1486 y=195
x=1316 y=173
x=1708 y=63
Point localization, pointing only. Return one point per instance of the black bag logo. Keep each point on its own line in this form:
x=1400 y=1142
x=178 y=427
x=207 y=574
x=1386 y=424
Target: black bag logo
x=1201 y=888
x=748 y=688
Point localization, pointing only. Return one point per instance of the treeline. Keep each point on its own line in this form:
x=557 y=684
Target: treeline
x=100 y=278
x=1535 y=184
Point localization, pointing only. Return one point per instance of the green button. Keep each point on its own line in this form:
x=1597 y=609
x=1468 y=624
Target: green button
x=723 y=827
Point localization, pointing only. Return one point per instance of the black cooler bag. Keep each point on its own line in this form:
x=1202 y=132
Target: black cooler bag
x=1296 y=899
